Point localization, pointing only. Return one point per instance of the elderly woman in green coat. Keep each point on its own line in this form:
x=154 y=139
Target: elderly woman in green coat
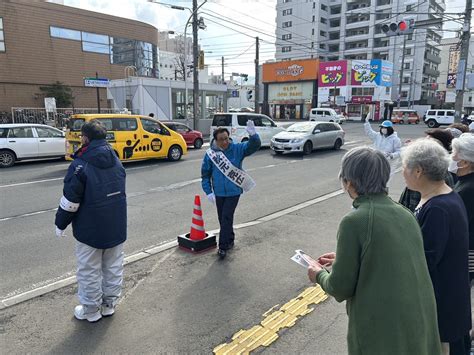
x=379 y=267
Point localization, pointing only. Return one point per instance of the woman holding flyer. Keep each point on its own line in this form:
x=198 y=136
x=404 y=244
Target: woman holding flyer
x=223 y=179
x=379 y=267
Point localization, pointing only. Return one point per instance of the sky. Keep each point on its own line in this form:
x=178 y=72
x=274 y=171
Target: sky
x=231 y=26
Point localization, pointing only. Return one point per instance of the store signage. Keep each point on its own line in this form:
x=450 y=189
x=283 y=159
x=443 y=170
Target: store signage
x=375 y=72
x=332 y=74
x=290 y=71
x=361 y=99
x=290 y=91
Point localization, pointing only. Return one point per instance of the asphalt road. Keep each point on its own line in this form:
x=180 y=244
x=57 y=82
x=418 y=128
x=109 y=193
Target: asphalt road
x=160 y=198
x=175 y=303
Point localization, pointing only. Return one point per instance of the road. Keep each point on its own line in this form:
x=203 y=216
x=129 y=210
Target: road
x=160 y=200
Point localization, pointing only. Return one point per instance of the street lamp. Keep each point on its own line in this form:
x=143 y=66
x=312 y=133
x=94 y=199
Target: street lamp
x=201 y=25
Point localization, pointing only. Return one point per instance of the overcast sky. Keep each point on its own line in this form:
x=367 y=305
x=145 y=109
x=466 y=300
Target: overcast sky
x=222 y=37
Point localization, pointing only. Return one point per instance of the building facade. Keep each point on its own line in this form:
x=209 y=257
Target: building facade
x=42 y=43
x=336 y=29
x=450 y=54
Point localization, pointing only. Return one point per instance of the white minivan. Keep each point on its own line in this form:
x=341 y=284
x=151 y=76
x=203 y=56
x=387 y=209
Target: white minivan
x=436 y=118
x=236 y=122
x=325 y=115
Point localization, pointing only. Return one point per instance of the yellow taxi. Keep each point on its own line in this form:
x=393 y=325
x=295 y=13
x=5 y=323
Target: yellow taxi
x=132 y=137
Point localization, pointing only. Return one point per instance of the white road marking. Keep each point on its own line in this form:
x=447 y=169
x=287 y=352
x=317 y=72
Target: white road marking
x=56 y=285
x=31 y=182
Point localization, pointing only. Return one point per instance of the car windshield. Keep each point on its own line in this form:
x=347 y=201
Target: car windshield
x=301 y=127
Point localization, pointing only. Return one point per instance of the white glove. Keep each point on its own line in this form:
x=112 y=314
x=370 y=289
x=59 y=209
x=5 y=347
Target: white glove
x=60 y=233
x=251 y=128
x=212 y=198
x=388 y=155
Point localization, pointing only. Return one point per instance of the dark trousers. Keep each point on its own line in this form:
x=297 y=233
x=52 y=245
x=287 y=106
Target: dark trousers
x=225 y=211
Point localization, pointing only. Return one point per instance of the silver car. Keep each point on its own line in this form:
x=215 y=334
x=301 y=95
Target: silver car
x=303 y=137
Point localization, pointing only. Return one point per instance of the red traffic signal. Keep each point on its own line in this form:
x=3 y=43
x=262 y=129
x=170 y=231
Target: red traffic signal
x=402 y=26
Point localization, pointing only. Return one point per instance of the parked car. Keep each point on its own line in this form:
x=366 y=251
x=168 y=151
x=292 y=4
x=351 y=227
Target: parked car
x=304 y=137
x=132 y=137
x=236 y=122
x=402 y=116
x=29 y=141
x=436 y=118
x=191 y=137
x=326 y=115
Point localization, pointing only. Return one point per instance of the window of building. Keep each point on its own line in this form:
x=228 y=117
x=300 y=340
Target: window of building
x=287 y=12
x=334 y=35
x=286 y=49
x=323 y=20
x=323 y=7
x=381 y=15
x=322 y=33
x=93 y=42
x=408 y=51
x=406 y=80
x=404 y=94
x=285 y=1
x=64 y=33
x=312 y=45
x=362 y=91
x=410 y=37
x=410 y=7
x=407 y=66
x=333 y=47
x=314 y=5
x=287 y=24
x=2 y=36
x=286 y=36
x=314 y=18
x=322 y=46
x=312 y=31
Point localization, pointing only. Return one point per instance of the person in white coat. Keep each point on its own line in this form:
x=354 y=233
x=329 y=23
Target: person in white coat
x=386 y=139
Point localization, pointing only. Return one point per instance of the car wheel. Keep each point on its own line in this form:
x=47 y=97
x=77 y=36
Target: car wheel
x=431 y=124
x=401 y=122
x=337 y=144
x=417 y=121
x=198 y=143
x=175 y=153
x=7 y=158
x=307 y=148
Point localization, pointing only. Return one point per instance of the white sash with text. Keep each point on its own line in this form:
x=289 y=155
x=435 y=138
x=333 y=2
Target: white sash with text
x=234 y=174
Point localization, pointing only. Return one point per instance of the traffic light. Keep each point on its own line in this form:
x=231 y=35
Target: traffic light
x=249 y=95
x=401 y=28
x=201 y=60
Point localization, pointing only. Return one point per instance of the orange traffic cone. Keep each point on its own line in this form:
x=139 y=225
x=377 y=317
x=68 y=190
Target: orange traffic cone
x=197 y=225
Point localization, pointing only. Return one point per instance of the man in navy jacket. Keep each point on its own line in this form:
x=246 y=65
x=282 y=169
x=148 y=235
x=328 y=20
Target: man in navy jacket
x=94 y=201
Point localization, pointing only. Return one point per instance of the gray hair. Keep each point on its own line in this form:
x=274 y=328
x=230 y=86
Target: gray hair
x=367 y=169
x=464 y=147
x=429 y=156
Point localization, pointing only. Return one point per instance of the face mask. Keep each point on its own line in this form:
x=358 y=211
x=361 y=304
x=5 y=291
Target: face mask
x=384 y=131
x=453 y=166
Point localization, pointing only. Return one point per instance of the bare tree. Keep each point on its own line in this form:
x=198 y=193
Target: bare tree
x=179 y=67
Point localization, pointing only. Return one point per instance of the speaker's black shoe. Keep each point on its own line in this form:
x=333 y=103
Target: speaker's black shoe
x=222 y=253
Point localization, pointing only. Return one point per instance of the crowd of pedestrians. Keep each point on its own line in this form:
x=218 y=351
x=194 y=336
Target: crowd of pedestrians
x=404 y=269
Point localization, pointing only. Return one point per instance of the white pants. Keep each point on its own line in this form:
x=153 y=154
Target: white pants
x=99 y=274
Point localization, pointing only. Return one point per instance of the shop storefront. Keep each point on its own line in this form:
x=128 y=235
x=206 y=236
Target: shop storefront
x=352 y=86
x=290 y=88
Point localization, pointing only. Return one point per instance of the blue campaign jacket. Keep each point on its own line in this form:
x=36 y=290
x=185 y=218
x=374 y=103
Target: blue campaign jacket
x=95 y=180
x=214 y=181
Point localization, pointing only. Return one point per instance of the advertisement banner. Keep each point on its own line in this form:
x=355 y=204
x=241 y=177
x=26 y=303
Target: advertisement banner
x=366 y=72
x=290 y=70
x=453 y=64
x=333 y=73
x=386 y=73
x=451 y=82
x=291 y=91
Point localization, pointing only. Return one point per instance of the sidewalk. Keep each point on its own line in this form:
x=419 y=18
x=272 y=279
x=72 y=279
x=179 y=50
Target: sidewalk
x=176 y=303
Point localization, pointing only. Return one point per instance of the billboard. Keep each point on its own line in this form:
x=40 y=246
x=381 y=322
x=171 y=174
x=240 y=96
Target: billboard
x=453 y=62
x=290 y=70
x=333 y=73
x=375 y=72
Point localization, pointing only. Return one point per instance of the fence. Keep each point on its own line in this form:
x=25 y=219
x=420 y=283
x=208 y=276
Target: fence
x=58 y=118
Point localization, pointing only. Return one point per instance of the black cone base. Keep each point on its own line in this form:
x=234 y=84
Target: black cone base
x=197 y=246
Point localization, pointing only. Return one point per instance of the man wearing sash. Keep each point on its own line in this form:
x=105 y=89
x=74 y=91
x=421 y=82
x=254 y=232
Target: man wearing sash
x=223 y=179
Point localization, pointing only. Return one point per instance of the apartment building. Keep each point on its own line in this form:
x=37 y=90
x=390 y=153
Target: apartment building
x=336 y=29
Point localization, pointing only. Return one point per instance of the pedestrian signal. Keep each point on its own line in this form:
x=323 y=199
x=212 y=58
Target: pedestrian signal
x=249 y=95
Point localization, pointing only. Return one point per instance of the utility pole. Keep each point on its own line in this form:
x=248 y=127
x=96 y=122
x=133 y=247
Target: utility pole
x=98 y=94
x=257 y=74
x=461 y=75
x=195 y=66
x=401 y=72
x=222 y=74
